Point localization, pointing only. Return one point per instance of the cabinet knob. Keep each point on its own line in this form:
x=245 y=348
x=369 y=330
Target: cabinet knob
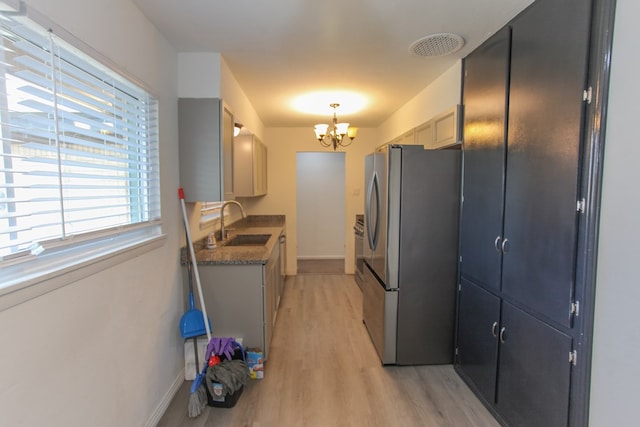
x=496 y=244
x=502 y=331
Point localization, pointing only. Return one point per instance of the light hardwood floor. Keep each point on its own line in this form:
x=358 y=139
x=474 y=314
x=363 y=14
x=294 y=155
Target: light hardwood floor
x=323 y=371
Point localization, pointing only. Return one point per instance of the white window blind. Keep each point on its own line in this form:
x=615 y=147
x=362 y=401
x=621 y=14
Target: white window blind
x=79 y=144
x=209 y=211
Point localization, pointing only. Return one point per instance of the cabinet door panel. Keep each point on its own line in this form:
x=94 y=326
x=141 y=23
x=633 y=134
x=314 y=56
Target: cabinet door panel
x=227 y=151
x=485 y=86
x=548 y=66
x=201 y=154
x=478 y=319
x=534 y=371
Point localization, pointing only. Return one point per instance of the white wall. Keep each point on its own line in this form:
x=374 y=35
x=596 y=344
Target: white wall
x=615 y=380
x=243 y=111
x=104 y=350
x=439 y=96
x=199 y=75
x=320 y=204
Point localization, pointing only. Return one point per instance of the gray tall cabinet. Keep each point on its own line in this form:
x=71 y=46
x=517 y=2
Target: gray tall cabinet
x=523 y=118
x=205 y=128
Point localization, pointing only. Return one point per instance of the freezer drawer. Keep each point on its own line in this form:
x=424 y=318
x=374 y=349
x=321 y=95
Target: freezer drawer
x=380 y=314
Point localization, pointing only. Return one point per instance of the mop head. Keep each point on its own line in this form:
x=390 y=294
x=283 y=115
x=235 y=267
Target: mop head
x=197 y=401
x=198 y=397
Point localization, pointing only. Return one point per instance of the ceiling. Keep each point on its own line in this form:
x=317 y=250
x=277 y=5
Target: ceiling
x=282 y=49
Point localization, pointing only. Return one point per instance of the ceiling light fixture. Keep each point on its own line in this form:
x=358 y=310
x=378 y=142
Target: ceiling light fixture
x=236 y=129
x=335 y=136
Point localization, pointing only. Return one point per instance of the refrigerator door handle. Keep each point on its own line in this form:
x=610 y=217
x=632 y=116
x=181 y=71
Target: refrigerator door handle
x=376 y=231
x=368 y=214
x=373 y=229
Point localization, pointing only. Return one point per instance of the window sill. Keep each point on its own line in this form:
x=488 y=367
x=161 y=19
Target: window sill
x=23 y=282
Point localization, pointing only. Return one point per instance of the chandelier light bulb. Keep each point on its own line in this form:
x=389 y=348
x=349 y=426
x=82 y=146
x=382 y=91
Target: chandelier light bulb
x=334 y=135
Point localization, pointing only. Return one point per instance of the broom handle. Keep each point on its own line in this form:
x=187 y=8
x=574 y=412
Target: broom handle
x=194 y=264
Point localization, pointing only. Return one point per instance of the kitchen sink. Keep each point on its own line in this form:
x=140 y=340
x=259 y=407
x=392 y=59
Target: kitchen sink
x=248 y=240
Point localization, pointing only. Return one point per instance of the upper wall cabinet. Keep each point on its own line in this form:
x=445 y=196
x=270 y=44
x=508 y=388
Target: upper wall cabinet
x=444 y=130
x=250 y=166
x=440 y=131
x=206 y=149
x=408 y=138
x=424 y=134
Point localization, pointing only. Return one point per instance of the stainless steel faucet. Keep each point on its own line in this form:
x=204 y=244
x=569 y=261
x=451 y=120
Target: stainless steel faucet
x=224 y=204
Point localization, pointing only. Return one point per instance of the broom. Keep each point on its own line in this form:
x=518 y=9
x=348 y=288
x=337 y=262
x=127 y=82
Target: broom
x=198 y=393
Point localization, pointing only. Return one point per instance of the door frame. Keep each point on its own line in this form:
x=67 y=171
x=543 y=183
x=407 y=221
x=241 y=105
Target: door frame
x=594 y=130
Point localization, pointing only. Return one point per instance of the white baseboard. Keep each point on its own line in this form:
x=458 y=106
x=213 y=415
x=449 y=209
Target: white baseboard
x=166 y=400
x=320 y=257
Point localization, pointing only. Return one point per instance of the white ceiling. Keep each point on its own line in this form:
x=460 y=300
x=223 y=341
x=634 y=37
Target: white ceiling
x=278 y=50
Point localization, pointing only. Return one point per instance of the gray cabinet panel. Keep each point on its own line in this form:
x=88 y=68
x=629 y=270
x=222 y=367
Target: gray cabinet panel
x=535 y=372
x=485 y=98
x=548 y=66
x=478 y=326
x=234 y=298
x=249 y=166
x=205 y=130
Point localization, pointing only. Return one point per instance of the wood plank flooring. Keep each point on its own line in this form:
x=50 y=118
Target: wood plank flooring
x=323 y=371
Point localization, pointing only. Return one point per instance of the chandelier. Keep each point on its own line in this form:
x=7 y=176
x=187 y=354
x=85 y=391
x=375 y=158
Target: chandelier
x=335 y=136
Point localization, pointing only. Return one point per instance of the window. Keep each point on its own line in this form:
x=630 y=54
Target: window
x=209 y=211
x=79 y=147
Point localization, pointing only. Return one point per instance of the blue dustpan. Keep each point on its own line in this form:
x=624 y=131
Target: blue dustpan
x=192 y=322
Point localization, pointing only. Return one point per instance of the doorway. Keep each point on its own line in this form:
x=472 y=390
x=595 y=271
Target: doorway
x=320 y=203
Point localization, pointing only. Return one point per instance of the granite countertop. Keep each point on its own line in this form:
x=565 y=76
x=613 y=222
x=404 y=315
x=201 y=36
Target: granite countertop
x=253 y=224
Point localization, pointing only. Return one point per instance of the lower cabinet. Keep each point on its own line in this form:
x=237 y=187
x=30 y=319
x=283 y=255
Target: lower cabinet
x=519 y=364
x=271 y=277
x=242 y=300
x=477 y=345
x=534 y=371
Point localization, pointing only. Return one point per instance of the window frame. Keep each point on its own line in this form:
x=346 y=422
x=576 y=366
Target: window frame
x=209 y=213
x=39 y=272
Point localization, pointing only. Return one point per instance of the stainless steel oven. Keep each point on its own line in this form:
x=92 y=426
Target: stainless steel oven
x=358 y=229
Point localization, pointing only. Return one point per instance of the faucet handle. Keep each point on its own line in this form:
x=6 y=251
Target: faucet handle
x=226 y=232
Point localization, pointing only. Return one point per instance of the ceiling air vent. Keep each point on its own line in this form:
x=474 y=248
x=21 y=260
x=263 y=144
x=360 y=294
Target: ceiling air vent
x=437 y=45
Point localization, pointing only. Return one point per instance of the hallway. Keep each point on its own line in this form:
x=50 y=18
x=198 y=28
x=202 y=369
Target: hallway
x=323 y=371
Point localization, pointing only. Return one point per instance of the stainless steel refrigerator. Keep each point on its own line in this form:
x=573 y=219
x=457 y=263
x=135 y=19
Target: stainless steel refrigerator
x=411 y=238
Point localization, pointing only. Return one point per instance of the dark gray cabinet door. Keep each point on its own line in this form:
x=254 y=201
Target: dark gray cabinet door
x=485 y=98
x=477 y=342
x=534 y=373
x=548 y=75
